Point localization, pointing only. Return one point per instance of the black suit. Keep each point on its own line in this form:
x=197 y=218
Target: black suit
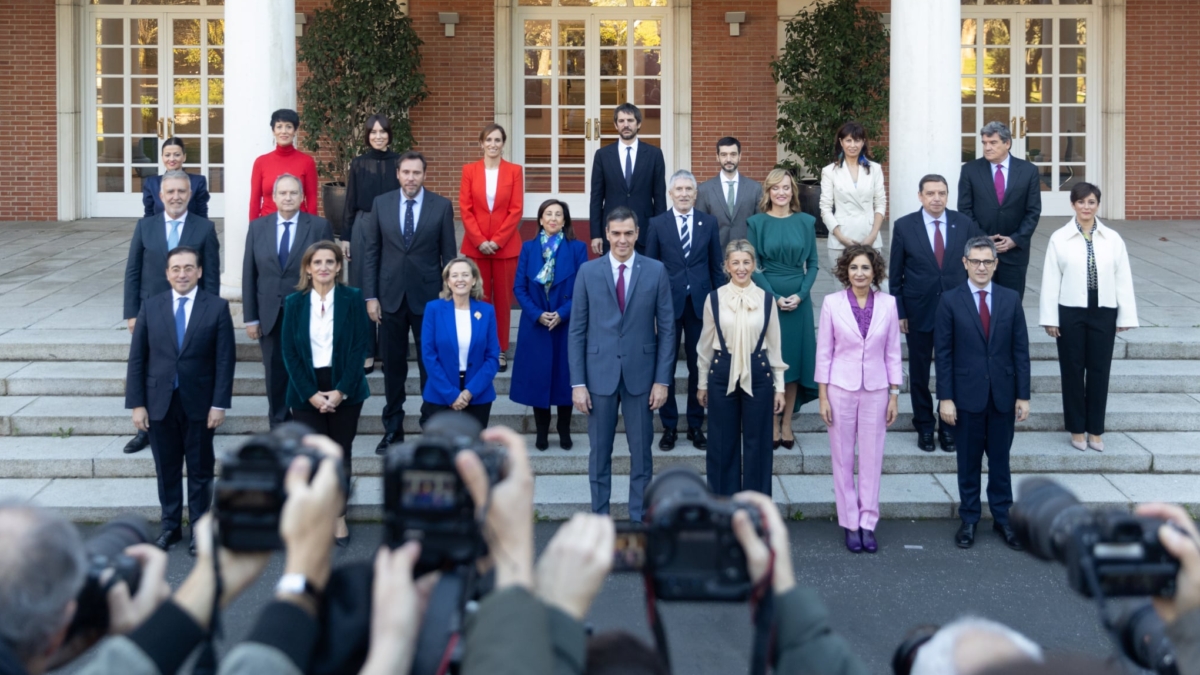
x=917 y=283
x=403 y=279
x=146 y=266
x=646 y=195
x=1017 y=217
x=265 y=285
x=692 y=279
x=179 y=415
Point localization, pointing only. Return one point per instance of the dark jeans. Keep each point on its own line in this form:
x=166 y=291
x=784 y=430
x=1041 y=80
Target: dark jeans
x=394 y=332
x=1085 y=347
x=481 y=411
x=687 y=327
x=174 y=440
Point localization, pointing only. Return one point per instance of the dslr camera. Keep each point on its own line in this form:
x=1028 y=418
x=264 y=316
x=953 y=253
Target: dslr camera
x=686 y=547
x=250 y=493
x=105 y=551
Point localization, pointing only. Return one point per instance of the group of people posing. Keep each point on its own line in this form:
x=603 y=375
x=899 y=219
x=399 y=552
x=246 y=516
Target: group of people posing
x=725 y=266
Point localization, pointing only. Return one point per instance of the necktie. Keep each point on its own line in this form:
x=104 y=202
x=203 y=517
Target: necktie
x=999 y=181
x=173 y=238
x=731 y=196
x=939 y=246
x=409 y=225
x=629 y=167
x=621 y=288
x=985 y=315
x=285 y=245
x=685 y=237
x=180 y=329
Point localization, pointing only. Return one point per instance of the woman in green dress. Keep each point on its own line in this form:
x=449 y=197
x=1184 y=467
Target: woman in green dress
x=786 y=241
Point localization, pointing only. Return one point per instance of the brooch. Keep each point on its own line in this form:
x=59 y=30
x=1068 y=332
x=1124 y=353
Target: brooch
x=478 y=315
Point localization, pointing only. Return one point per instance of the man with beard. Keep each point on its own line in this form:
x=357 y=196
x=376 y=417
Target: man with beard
x=627 y=173
x=729 y=196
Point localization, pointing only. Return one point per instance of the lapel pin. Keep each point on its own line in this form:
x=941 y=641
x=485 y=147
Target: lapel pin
x=478 y=315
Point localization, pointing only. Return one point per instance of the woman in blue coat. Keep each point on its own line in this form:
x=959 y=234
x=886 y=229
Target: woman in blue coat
x=173 y=157
x=544 y=283
x=459 y=345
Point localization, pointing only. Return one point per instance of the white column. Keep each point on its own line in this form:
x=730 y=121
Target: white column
x=260 y=39
x=1112 y=138
x=68 y=17
x=925 y=115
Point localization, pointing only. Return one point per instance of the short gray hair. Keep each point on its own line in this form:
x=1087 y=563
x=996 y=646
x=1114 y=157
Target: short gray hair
x=941 y=656
x=685 y=174
x=997 y=129
x=41 y=572
x=176 y=174
x=980 y=242
x=287 y=176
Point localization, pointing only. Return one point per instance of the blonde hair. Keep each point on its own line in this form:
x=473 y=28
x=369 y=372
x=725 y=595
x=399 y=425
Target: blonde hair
x=476 y=288
x=774 y=178
x=739 y=246
x=306 y=283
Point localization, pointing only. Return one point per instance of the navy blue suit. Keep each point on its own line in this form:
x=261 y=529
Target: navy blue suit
x=439 y=350
x=152 y=202
x=692 y=279
x=179 y=416
x=917 y=282
x=146 y=265
x=984 y=377
x=1016 y=218
x=646 y=196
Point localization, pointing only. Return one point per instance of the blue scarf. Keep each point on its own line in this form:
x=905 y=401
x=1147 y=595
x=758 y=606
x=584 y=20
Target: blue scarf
x=549 y=248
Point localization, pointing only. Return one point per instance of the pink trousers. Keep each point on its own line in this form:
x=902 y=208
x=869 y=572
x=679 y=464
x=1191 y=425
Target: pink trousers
x=859 y=417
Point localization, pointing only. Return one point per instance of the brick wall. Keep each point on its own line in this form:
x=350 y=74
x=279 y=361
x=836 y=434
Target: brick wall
x=28 y=161
x=1162 y=110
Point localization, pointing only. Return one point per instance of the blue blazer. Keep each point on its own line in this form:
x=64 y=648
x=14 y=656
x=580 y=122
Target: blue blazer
x=152 y=185
x=970 y=367
x=439 y=352
x=913 y=274
x=647 y=197
x=701 y=271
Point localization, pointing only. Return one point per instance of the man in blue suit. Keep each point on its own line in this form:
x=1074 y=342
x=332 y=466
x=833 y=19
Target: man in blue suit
x=621 y=349
x=688 y=244
x=179 y=383
x=983 y=385
x=920 y=270
x=627 y=173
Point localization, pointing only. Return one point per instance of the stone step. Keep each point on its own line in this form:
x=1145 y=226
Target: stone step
x=918 y=495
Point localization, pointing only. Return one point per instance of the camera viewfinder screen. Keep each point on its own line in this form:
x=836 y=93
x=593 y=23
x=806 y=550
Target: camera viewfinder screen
x=428 y=490
x=629 y=551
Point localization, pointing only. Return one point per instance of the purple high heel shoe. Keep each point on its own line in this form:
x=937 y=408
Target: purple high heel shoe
x=853 y=541
x=868 y=540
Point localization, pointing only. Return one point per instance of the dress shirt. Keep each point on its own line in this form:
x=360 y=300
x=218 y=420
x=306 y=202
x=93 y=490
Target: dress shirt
x=930 y=231
x=291 y=232
x=1064 y=274
x=741 y=323
x=320 y=328
x=182 y=224
x=187 y=306
x=420 y=199
x=633 y=155
x=725 y=181
x=975 y=292
x=492 y=178
x=1005 y=163
x=462 y=326
x=616 y=270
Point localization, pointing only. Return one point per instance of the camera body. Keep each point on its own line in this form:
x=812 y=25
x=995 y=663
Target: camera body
x=105 y=551
x=250 y=493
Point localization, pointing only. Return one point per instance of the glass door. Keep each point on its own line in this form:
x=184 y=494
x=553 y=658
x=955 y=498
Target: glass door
x=157 y=75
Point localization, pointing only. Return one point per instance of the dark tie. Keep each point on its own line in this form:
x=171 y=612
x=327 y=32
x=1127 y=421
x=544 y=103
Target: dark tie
x=621 y=288
x=985 y=316
x=180 y=329
x=285 y=245
x=685 y=238
x=629 y=167
x=939 y=246
x=409 y=225
x=999 y=182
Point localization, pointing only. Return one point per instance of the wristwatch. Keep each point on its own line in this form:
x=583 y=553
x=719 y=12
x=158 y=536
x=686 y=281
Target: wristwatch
x=894 y=392
x=298 y=584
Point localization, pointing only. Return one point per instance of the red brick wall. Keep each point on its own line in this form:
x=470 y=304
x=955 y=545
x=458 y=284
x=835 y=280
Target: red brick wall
x=1162 y=102
x=28 y=160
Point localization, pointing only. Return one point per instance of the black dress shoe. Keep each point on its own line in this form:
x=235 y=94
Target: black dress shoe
x=925 y=441
x=965 y=537
x=192 y=545
x=1006 y=533
x=388 y=439
x=565 y=442
x=139 y=443
x=697 y=438
x=667 y=443
x=946 y=441
x=542 y=441
x=168 y=538
x=343 y=542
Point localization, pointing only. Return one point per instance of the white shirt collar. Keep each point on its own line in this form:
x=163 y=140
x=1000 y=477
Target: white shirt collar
x=633 y=145
x=726 y=181
x=975 y=289
x=678 y=213
x=1005 y=163
x=182 y=218
x=191 y=296
x=279 y=220
x=419 y=199
x=316 y=297
x=612 y=260
x=929 y=219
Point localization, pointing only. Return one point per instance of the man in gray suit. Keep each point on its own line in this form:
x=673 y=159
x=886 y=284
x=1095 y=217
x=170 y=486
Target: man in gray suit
x=275 y=245
x=621 y=349
x=729 y=196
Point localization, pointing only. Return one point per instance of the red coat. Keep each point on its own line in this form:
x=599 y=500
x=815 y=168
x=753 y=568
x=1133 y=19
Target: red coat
x=499 y=224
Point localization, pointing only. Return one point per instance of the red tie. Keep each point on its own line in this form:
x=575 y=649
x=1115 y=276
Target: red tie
x=1000 y=184
x=985 y=316
x=939 y=246
x=621 y=287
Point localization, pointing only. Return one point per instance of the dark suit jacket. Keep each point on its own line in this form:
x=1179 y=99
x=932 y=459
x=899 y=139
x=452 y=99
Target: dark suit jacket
x=968 y=366
x=1017 y=217
x=264 y=285
x=204 y=365
x=710 y=198
x=152 y=202
x=913 y=274
x=146 y=266
x=439 y=351
x=391 y=272
x=351 y=331
x=647 y=197
x=701 y=271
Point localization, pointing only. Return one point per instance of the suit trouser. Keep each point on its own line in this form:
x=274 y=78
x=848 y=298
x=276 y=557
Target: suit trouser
x=394 y=332
x=355 y=273
x=174 y=440
x=740 y=428
x=990 y=432
x=920 y=361
x=341 y=425
x=688 y=327
x=1011 y=276
x=499 y=274
x=602 y=430
x=859 y=418
x=1085 y=348
x=277 y=377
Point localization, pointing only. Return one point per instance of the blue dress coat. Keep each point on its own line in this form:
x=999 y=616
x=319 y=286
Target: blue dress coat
x=541 y=373
x=152 y=202
x=439 y=352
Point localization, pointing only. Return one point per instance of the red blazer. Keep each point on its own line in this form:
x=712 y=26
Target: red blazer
x=501 y=223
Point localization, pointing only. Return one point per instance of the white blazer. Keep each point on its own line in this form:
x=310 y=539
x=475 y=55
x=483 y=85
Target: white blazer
x=856 y=204
x=1064 y=275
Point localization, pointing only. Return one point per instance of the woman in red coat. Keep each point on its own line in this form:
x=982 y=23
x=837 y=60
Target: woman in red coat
x=285 y=158
x=491 y=200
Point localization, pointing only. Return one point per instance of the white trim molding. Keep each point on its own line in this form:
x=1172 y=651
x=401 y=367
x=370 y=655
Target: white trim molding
x=68 y=19
x=1112 y=112
x=502 y=76
x=681 y=63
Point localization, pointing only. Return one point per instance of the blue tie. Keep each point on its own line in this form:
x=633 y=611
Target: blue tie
x=685 y=238
x=173 y=237
x=409 y=224
x=629 y=167
x=180 y=329
x=285 y=245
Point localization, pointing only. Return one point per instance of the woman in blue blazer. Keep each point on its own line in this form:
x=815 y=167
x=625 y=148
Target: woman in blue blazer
x=544 y=283
x=459 y=345
x=173 y=157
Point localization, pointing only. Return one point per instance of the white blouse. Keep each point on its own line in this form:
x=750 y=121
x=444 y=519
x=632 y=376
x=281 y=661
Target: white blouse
x=1064 y=274
x=493 y=179
x=741 y=323
x=462 y=324
x=320 y=329
x=856 y=203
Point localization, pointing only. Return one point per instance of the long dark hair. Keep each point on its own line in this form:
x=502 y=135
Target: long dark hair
x=856 y=131
x=568 y=233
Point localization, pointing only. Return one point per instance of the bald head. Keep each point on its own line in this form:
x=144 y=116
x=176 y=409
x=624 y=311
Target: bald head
x=971 y=646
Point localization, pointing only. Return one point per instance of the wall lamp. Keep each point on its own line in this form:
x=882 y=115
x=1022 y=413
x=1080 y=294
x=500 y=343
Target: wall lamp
x=448 y=19
x=735 y=21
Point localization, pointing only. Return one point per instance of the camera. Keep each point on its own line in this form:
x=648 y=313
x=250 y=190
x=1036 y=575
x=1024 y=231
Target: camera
x=424 y=498
x=105 y=551
x=1143 y=637
x=250 y=493
x=686 y=546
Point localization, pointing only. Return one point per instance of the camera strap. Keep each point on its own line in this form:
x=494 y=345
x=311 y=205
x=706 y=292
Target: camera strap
x=762 y=608
x=656 y=624
x=206 y=663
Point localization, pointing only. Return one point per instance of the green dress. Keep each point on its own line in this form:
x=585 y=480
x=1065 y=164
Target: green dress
x=787 y=265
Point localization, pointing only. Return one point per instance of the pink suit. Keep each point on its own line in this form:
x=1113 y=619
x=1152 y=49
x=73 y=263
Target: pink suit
x=858 y=371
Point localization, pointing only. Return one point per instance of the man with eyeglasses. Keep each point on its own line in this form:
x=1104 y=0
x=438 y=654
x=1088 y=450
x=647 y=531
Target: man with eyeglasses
x=981 y=346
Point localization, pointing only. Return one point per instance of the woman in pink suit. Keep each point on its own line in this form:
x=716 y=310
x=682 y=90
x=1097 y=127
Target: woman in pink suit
x=859 y=375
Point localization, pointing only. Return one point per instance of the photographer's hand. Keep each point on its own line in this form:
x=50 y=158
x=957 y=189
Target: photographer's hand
x=126 y=613
x=310 y=514
x=575 y=563
x=508 y=527
x=238 y=571
x=1185 y=548
x=758 y=554
x=397 y=607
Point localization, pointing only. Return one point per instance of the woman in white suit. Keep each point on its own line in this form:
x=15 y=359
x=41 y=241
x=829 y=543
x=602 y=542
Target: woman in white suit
x=853 y=200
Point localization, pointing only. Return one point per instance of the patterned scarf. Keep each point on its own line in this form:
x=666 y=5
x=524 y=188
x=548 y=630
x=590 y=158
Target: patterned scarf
x=549 y=247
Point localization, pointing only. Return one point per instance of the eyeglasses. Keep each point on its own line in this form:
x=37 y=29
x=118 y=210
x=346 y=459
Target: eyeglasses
x=981 y=263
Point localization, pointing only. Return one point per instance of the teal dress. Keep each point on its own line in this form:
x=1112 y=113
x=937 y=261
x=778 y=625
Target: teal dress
x=787 y=265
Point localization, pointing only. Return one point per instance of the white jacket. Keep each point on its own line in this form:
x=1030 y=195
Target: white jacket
x=856 y=204
x=1064 y=275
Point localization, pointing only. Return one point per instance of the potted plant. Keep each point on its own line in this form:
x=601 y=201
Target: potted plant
x=833 y=68
x=363 y=58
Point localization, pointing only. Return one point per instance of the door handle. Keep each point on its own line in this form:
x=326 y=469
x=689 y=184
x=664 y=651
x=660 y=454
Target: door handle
x=160 y=127
x=587 y=129
x=1012 y=125
x=171 y=127
x=597 y=125
x=1024 y=127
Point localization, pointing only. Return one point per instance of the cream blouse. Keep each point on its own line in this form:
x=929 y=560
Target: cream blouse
x=741 y=324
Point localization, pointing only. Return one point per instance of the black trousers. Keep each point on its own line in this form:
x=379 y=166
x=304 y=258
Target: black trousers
x=1085 y=347
x=174 y=440
x=276 y=374
x=989 y=432
x=688 y=327
x=355 y=272
x=394 y=333
x=1011 y=276
x=740 y=423
x=481 y=412
x=920 y=359
x=541 y=420
x=341 y=425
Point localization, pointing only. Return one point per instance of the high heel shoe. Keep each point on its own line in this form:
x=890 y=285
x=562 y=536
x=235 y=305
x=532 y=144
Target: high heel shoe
x=788 y=443
x=1098 y=446
x=853 y=540
x=869 y=544
x=1079 y=445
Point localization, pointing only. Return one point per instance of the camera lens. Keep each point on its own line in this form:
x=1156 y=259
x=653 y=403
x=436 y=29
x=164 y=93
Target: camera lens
x=1044 y=515
x=114 y=537
x=1144 y=638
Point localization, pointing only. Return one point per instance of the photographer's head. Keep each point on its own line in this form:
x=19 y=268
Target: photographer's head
x=970 y=646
